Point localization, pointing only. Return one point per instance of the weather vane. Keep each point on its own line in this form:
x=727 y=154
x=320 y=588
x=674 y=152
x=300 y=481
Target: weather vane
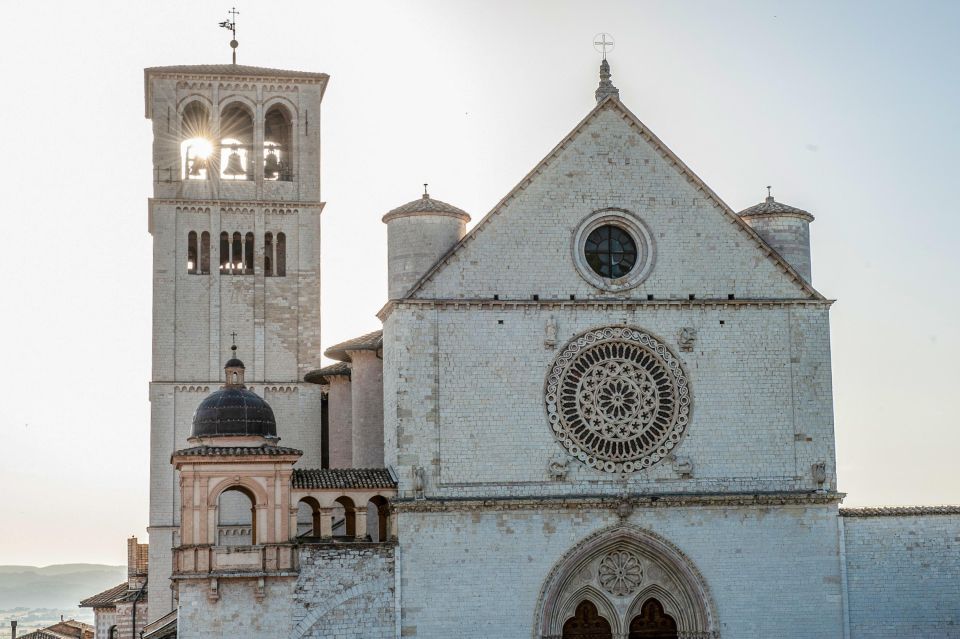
x=603 y=43
x=231 y=23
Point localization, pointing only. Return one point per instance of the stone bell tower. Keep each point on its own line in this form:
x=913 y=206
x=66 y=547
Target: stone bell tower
x=235 y=220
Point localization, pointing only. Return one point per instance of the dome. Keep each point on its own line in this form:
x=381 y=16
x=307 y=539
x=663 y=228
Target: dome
x=234 y=410
x=426 y=205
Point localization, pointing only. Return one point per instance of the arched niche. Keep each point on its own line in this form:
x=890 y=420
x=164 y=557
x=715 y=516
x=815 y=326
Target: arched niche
x=619 y=569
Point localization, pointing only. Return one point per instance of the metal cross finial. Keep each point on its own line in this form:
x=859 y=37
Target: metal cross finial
x=234 y=346
x=231 y=24
x=425 y=194
x=603 y=43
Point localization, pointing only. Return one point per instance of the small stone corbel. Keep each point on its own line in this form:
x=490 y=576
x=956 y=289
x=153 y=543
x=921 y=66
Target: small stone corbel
x=624 y=509
x=686 y=338
x=558 y=466
x=683 y=467
x=261 y=590
x=550 y=333
x=419 y=481
x=819 y=472
x=213 y=592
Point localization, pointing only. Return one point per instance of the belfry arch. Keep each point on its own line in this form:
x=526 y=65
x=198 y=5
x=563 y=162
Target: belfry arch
x=625 y=572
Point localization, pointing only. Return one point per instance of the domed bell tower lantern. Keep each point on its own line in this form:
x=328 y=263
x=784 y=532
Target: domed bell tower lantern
x=235 y=221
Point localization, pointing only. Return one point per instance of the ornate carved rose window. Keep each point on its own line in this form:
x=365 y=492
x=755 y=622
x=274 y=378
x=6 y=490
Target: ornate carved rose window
x=617 y=399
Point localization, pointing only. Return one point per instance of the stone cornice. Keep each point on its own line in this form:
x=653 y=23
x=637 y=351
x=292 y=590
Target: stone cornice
x=900 y=511
x=282 y=204
x=618 y=503
x=603 y=304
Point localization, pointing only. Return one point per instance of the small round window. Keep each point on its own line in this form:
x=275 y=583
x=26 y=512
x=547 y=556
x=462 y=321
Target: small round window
x=610 y=251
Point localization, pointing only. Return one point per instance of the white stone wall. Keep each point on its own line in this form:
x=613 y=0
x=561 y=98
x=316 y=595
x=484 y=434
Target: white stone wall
x=526 y=247
x=414 y=244
x=467 y=402
x=237 y=613
x=789 y=236
x=103 y=620
x=340 y=424
x=366 y=388
x=772 y=572
x=903 y=576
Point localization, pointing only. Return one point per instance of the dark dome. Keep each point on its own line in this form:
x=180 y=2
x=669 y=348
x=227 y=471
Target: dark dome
x=234 y=363
x=234 y=410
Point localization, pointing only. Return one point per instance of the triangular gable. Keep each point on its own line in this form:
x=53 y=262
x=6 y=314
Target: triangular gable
x=612 y=103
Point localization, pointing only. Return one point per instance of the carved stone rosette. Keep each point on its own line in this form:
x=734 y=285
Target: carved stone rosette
x=617 y=399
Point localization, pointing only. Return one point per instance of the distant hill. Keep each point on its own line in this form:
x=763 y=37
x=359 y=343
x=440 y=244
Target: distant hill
x=57 y=586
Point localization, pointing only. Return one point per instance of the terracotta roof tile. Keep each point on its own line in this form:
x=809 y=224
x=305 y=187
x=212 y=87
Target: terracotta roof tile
x=106 y=598
x=234 y=69
x=312 y=478
x=772 y=207
x=426 y=204
x=320 y=375
x=224 y=451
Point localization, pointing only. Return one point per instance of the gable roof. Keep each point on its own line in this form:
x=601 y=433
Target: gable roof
x=613 y=103
x=105 y=599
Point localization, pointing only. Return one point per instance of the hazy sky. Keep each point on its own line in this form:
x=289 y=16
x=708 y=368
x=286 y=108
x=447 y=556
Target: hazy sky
x=849 y=109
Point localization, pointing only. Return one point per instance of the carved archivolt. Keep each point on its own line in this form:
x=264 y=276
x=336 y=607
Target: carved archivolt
x=617 y=399
x=620 y=569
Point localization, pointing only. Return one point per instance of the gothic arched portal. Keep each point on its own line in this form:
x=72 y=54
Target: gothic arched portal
x=636 y=582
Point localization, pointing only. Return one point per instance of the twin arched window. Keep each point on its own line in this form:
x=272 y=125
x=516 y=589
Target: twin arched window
x=233 y=154
x=237 y=254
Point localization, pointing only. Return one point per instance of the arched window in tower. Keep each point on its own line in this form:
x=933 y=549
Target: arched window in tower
x=281 y=254
x=196 y=144
x=236 y=254
x=224 y=253
x=236 y=518
x=248 y=254
x=236 y=141
x=192 y=252
x=205 y=253
x=268 y=254
x=277 y=129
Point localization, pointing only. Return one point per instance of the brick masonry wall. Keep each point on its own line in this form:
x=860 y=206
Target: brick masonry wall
x=903 y=576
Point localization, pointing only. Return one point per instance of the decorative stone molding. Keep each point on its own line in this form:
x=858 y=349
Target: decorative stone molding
x=617 y=399
x=683 y=467
x=612 y=502
x=619 y=569
x=550 y=333
x=819 y=472
x=183 y=388
x=558 y=466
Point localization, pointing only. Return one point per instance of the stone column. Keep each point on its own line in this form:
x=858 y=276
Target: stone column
x=340 y=421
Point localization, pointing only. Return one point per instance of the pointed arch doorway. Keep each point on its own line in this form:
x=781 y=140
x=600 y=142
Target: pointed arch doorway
x=653 y=623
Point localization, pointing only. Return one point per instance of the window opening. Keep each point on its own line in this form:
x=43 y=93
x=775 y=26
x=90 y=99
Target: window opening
x=281 y=254
x=277 y=131
x=205 y=253
x=192 y=252
x=248 y=253
x=224 y=253
x=236 y=140
x=268 y=254
x=236 y=254
x=610 y=251
x=196 y=147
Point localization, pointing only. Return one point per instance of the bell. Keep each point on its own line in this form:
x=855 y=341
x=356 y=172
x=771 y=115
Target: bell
x=234 y=165
x=195 y=165
x=272 y=165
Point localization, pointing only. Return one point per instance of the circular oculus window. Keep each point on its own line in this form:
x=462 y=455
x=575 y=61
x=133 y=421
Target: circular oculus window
x=617 y=399
x=613 y=250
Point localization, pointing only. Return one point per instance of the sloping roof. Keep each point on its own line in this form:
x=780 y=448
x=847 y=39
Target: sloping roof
x=369 y=342
x=320 y=375
x=900 y=511
x=612 y=102
x=162 y=628
x=106 y=598
x=231 y=451
x=772 y=207
x=426 y=204
x=312 y=478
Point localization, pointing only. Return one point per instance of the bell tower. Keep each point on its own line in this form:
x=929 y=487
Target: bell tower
x=235 y=220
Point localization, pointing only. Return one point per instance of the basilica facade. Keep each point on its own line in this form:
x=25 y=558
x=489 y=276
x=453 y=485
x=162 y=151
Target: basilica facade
x=605 y=411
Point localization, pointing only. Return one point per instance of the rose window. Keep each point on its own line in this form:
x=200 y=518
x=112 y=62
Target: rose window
x=617 y=399
x=620 y=573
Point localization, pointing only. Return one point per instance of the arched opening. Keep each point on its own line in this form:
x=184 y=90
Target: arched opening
x=378 y=510
x=236 y=517
x=653 y=622
x=586 y=623
x=196 y=145
x=309 y=518
x=281 y=254
x=268 y=254
x=277 y=136
x=205 y=253
x=236 y=253
x=236 y=142
x=192 y=252
x=224 y=253
x=248 y=253
x=113 y=633
x=345 y=518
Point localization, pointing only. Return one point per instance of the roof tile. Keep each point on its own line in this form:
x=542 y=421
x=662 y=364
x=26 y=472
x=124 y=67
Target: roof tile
x=313 y=478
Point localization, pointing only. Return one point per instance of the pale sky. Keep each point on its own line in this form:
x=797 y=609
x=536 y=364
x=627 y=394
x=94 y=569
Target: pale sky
x=849 y=109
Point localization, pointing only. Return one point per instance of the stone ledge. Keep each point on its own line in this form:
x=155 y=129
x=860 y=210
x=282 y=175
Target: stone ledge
x=900 y=511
